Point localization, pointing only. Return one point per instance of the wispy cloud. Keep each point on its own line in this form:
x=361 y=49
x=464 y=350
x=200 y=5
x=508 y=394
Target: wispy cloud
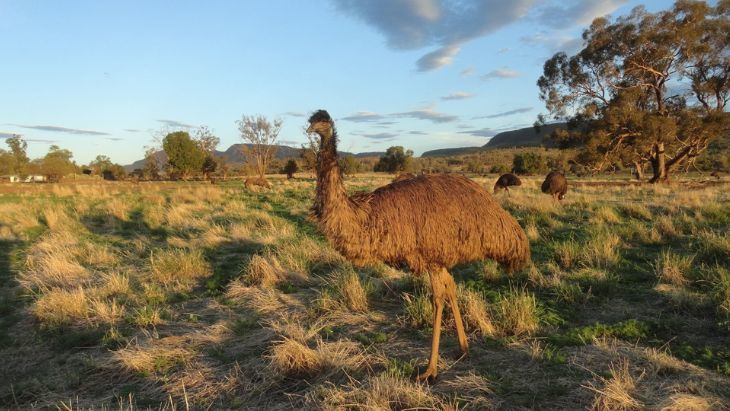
x=568 y=13
x=428 y=114
x=483 y=132
x=417 y=133
x=458 y=95
x=503 y=50
x=364 y=116
x=500 y=73
x=467 y=72
x=507 y=113
x=379 y=136
x=438 y=58
x=132 y=130
x=295 y=114
x=58 y=129
x=114 y=138
x=445 y=24
x=7 y=135
x=289 y=142
x=554 y=42
x=40 y=140
x=174 y=123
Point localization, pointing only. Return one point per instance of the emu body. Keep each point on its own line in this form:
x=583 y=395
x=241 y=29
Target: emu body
x=427 y=223
x=555 y=184
x=506 y=180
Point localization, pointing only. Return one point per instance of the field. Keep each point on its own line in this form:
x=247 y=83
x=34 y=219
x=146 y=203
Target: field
x=199 y=296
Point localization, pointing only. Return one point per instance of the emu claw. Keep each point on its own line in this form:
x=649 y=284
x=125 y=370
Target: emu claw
x=429 y=376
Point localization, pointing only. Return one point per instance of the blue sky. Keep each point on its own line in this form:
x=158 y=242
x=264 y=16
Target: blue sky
x=103 y=77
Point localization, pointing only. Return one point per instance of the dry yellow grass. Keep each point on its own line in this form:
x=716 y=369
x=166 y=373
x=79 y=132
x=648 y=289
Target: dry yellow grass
x=672 y=268
x=153 y=359
x=295 y=358
x=57 y=307
x=53 y=262
x=517 y=313
x=616 y=392
x=178 y=269
x=475 y=313
x=349 y=289
x=263 y=271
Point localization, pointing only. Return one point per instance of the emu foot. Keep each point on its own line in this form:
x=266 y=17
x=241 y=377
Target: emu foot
x=428 y=376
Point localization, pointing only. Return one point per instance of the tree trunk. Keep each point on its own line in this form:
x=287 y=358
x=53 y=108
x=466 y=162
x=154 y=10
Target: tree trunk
x=659 y=165
x=639 y=170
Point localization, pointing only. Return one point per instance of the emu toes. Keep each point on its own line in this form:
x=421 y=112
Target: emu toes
x=429 y=376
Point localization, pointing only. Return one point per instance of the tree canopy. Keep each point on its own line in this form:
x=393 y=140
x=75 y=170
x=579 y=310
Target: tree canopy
x=260 y=134
x=395 y=159
x=184 y=155
x=649 y=87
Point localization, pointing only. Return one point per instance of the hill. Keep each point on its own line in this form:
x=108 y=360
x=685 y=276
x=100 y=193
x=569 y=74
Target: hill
x=234 y=155
x=524 y=137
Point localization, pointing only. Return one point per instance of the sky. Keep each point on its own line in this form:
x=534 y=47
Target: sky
x=110 y=77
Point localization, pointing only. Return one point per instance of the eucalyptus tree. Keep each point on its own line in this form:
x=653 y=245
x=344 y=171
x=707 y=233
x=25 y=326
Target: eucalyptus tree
x=647 y=88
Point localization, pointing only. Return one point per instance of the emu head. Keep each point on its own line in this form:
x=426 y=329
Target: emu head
x=321 y=123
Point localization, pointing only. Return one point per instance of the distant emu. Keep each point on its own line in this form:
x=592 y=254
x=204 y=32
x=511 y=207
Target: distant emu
x=403 y=176
x=555 y=184
x=506 y=180
x=715 y=174
x=427 y=223
x=256 y=181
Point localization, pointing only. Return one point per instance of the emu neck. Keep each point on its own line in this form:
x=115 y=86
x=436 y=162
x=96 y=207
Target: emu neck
x=331 y=202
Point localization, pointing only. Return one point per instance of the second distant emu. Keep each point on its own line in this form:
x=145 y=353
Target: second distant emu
x=506 y=180
x=555 y=184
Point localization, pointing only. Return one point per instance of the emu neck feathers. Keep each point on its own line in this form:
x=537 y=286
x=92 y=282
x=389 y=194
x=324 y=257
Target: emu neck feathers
x=336 y=213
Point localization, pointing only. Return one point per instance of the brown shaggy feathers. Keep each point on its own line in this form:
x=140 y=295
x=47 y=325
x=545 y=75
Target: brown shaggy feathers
x=506 y=180
x=403 y=176
x=555 y=184
x=428 y=221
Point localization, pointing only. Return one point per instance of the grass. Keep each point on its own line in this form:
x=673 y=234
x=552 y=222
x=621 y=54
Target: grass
x=189 y=295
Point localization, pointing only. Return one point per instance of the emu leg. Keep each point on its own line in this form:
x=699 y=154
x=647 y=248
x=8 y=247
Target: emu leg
x=439 y=292
x=454 y=303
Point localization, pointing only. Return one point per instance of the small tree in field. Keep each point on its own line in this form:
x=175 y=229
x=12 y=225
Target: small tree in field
x=259 y=135
x=18 y=148
x=529 y=163
x=290 y=168
x=395 y=159
x=151 y=169
x=184 y=156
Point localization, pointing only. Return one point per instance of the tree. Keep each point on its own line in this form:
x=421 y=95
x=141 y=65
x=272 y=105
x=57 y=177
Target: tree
x=349 y=164
x=184 y=156
x=395 y=159
x=6 y=162
x=57 y=163
x=207 y=142
x=260 y=136
x=308 y=154
x=616 y=91
x=529 y=163
x=151 y=169
x=100 y=164
x=20 y=159
x=290 y=168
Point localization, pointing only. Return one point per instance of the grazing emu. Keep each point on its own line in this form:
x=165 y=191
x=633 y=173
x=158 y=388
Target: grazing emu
x=403 y=176
x=555 y=184
x=256 y=181
x=427 y=223
x=506 y=180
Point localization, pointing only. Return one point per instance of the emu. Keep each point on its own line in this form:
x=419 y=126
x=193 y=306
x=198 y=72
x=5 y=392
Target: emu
x=506 y=180
x=555 y=184
x=428 y=223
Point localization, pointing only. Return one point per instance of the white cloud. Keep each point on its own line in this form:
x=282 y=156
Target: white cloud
x=428 y=114
x=458 y=95
x=364 y=116
x=500 y=73
x=446 y=24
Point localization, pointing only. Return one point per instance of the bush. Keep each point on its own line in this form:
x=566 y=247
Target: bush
x=529 y=163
